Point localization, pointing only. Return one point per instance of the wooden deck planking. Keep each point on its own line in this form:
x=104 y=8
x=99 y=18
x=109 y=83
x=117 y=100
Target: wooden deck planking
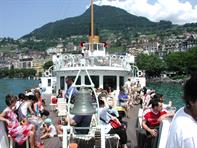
x=131 y=128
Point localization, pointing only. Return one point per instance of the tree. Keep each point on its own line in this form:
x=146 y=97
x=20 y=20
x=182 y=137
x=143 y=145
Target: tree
x=191 y=60
x=47 y=65
x=152 y=64
x=177 y=62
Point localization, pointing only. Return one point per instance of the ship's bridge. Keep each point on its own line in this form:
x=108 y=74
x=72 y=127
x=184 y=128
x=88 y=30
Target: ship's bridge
x=93 y=49
x=62 y=61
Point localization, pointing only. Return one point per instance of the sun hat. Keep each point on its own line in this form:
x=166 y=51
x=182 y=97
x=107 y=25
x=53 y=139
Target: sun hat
x=47 y=121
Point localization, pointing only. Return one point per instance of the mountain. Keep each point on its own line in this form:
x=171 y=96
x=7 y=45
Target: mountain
x=106 y=18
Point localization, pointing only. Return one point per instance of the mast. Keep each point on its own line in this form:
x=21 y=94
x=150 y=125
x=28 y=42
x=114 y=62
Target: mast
x=93 y=38
x=92 y=22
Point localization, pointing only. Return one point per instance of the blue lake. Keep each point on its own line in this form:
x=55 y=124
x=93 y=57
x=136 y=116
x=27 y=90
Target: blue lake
x=14 y=87
x=171 y=91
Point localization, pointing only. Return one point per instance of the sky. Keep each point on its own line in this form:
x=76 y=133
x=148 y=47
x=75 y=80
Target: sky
x=20 y=17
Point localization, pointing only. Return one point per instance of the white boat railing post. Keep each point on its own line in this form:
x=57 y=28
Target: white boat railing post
x=65 y=137
x=102 y=137
x=163 y=132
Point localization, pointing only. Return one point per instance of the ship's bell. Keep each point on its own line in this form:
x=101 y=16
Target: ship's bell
x=83 y=104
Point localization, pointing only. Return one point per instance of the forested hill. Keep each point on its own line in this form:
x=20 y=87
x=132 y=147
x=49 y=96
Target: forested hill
x=106 y=18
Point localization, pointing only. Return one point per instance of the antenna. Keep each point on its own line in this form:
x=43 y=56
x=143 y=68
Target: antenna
x=92 y=21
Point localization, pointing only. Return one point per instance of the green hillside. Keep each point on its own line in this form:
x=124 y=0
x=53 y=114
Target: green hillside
x=106 y=18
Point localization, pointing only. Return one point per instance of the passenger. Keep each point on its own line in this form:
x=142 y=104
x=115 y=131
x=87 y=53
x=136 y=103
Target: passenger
x=183 y=129
x=70 y=89
x=127 y=86
x=59 y=95
x=26 y=112
x=25 y=108
x=151 y=121
x=147 y=98
x=18 y=132
x=111 y=92
x=105 y=117
x=77 y=121
x=20 y=100
x=122 y=98
x=39 y=105
x=49 y=129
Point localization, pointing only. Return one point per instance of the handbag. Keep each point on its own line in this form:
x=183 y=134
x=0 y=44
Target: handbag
x=115 y=123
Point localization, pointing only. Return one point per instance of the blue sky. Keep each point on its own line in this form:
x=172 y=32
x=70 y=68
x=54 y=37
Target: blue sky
x=20 y=17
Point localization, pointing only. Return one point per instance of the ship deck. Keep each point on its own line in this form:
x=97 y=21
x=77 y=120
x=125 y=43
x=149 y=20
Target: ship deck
x=131 y=129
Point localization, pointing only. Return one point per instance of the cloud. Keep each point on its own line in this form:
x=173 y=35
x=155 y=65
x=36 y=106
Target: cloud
x=173 y=10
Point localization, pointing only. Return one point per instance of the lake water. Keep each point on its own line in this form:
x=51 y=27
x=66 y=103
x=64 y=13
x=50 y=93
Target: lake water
x=15 y=86
x=171 y=91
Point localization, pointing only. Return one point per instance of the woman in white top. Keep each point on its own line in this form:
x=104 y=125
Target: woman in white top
x=183 y=129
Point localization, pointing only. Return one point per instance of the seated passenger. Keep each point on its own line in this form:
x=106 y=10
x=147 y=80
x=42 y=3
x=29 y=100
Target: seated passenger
x=106 y=115
x=49 y=129
x=77 y=121
x=18 y=131
x=151 y=121
x=122 y=97
x=60 y=94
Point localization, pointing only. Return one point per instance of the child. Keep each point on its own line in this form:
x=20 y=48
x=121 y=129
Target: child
x=49 y=129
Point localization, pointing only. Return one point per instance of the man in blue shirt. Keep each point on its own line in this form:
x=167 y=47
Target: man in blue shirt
x=70 y=89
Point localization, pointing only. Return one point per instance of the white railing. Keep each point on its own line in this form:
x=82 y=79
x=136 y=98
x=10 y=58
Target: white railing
x=163 y=134
x=65 y=61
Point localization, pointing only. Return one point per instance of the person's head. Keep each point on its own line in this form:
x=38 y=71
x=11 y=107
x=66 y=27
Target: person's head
x=69 y=81
x=37 y=93
x=110 y=101
x=190 y=95
x=45 y=113
x=33 y=98
x=48 y=121
x=122 y=89
x=144 y=89
x=109 y=89
x=59 y=91
x=21 y=96
x=101 y=103
x=157 y=106
x=10 y=100
x=160 y=97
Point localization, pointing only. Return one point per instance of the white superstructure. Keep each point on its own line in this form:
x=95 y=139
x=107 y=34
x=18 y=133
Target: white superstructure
x=105 y=70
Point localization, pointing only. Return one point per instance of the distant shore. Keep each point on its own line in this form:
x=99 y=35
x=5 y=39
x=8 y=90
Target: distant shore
x=166 y=80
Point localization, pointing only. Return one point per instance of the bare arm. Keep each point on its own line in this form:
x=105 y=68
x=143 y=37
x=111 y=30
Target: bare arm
x=30 y=108
x=72 y=122
x=170 y=114
x=153 y=132
x=2 y=118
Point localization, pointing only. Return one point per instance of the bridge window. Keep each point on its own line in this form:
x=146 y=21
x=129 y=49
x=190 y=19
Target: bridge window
x=109 y=81
x=95 y=80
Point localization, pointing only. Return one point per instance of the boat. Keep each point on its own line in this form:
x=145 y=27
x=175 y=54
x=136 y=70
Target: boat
x=92 y=67
x=95 y=68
